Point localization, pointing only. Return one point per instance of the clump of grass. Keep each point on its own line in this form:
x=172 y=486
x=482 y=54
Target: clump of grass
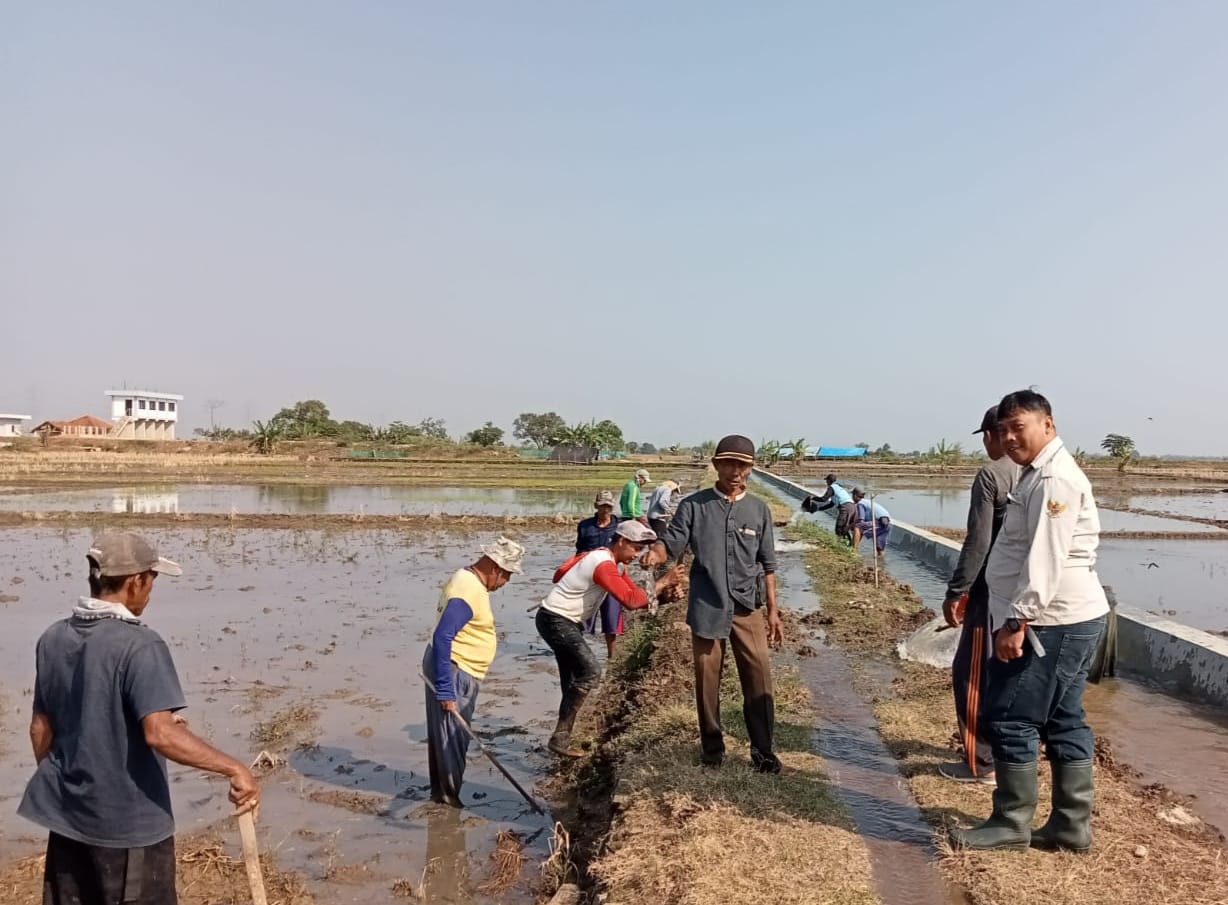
x=288 y=725
x=507 y=860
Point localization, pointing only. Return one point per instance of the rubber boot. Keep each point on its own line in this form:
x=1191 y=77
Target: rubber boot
x=560 y=740
x=1014 y=805
x=1069 y=826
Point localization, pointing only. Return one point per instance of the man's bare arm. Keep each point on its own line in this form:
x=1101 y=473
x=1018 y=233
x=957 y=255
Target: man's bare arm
x=41 y=736
x=174 y=741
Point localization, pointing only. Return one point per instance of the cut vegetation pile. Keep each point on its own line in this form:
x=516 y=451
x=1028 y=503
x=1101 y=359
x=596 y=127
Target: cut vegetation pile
x=676 y=833
x=1140 y=854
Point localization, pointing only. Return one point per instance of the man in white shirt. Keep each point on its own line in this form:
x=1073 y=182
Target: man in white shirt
x=1047 y=609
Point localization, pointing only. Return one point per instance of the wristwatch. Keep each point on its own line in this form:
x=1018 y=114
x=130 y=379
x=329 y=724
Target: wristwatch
x=1015 y=625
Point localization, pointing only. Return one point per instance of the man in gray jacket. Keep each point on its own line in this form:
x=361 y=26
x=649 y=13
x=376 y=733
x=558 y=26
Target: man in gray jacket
x=730 y=534
x=967 y=603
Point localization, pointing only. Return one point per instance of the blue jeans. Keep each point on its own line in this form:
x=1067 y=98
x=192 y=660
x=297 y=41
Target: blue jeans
x=1034 y=698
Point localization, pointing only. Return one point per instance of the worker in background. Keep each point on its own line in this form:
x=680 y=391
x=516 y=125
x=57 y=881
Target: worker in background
x=837 y=496
x=661 y=505
x=631 y=503
x=967 y=604
x=872 y=521
x=594 y=533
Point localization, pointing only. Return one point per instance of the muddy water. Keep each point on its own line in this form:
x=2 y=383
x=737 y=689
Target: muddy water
x=1182 y=745
x=303 y=499
x=337 y=621
x=1199 y=505
x=864 y=771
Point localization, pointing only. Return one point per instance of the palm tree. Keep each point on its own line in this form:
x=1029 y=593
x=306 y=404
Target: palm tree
x=1121 y=448
x=948 y=454
x=264 y=437
x=769 y=452
x=799 y=452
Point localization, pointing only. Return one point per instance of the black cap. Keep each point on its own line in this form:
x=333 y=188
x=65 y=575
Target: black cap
x=989 y=422
x=830 y=479
x=736 y=447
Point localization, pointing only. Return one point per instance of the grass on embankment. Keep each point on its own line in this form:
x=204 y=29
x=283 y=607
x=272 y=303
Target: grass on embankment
x=681 y=834
x=321 y=466
x=1137 y=857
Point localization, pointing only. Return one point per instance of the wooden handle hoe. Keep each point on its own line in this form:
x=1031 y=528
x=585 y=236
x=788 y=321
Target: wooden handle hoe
x=251 y=858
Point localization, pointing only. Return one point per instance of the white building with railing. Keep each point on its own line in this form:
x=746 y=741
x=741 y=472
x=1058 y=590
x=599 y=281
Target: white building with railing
x=144 y=415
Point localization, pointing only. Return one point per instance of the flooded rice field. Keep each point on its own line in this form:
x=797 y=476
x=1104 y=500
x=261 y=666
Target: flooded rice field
x=302 y=499
x=1199 y=505
x=307 y=643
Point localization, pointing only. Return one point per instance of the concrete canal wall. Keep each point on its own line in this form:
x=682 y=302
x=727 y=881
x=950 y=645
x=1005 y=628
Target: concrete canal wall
x=1182 y=659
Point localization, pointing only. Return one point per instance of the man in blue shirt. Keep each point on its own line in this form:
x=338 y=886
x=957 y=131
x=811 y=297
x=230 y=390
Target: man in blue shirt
x=592 y=534
x=106 y=699
x=872 y=521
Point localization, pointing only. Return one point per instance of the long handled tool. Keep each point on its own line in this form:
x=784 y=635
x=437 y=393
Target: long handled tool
x=473 y=736
x=251 y=858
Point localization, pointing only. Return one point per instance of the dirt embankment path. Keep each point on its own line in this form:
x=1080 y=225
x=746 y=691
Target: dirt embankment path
x=651 y=824
x=1146 y=849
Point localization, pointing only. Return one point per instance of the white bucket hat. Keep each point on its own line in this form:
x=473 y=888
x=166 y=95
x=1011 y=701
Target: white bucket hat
x=506 y=554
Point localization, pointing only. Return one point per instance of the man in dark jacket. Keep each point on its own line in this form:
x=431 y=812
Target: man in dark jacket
x=967 y=603
x=730 y=534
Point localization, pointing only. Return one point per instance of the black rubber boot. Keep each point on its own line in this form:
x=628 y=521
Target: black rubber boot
x=560 y=740
x=1014 y=805
x=1069 y=826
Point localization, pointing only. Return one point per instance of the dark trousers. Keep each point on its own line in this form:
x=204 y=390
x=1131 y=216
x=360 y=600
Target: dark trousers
x=846 y=518
x=1041 y=698
x=447 y=743
x=658 y=525
x=579 y=671
x=80 y=874
x=970 y=679
x=748 y=638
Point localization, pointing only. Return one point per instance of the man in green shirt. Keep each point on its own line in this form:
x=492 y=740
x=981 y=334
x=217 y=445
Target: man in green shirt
x=631 y=504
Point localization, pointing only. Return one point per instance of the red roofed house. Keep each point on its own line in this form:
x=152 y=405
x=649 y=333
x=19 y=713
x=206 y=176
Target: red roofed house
x=85 y=426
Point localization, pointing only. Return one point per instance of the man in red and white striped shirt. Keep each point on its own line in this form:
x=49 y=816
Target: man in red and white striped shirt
x=580 y=586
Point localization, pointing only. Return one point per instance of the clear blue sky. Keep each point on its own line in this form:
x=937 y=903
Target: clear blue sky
x=853 y=222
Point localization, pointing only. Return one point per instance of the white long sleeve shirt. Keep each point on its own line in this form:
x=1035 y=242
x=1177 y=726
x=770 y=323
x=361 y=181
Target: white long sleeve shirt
x=1042 y=569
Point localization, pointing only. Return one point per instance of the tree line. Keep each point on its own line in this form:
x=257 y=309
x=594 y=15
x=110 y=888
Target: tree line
x=311 y=419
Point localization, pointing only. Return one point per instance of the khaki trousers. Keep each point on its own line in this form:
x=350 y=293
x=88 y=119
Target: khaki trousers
x=748 y=637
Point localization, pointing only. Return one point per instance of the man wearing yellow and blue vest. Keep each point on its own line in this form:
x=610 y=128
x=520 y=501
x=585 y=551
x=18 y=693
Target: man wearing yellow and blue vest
x=457 y=658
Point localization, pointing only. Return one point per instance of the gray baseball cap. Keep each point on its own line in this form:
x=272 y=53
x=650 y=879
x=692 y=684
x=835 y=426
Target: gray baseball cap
x=643 y=473
x=635 y=532
x=120 y=553
x=604 y=498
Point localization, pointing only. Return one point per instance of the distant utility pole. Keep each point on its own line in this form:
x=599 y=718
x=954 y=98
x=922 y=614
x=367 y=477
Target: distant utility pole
x=213 y=405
